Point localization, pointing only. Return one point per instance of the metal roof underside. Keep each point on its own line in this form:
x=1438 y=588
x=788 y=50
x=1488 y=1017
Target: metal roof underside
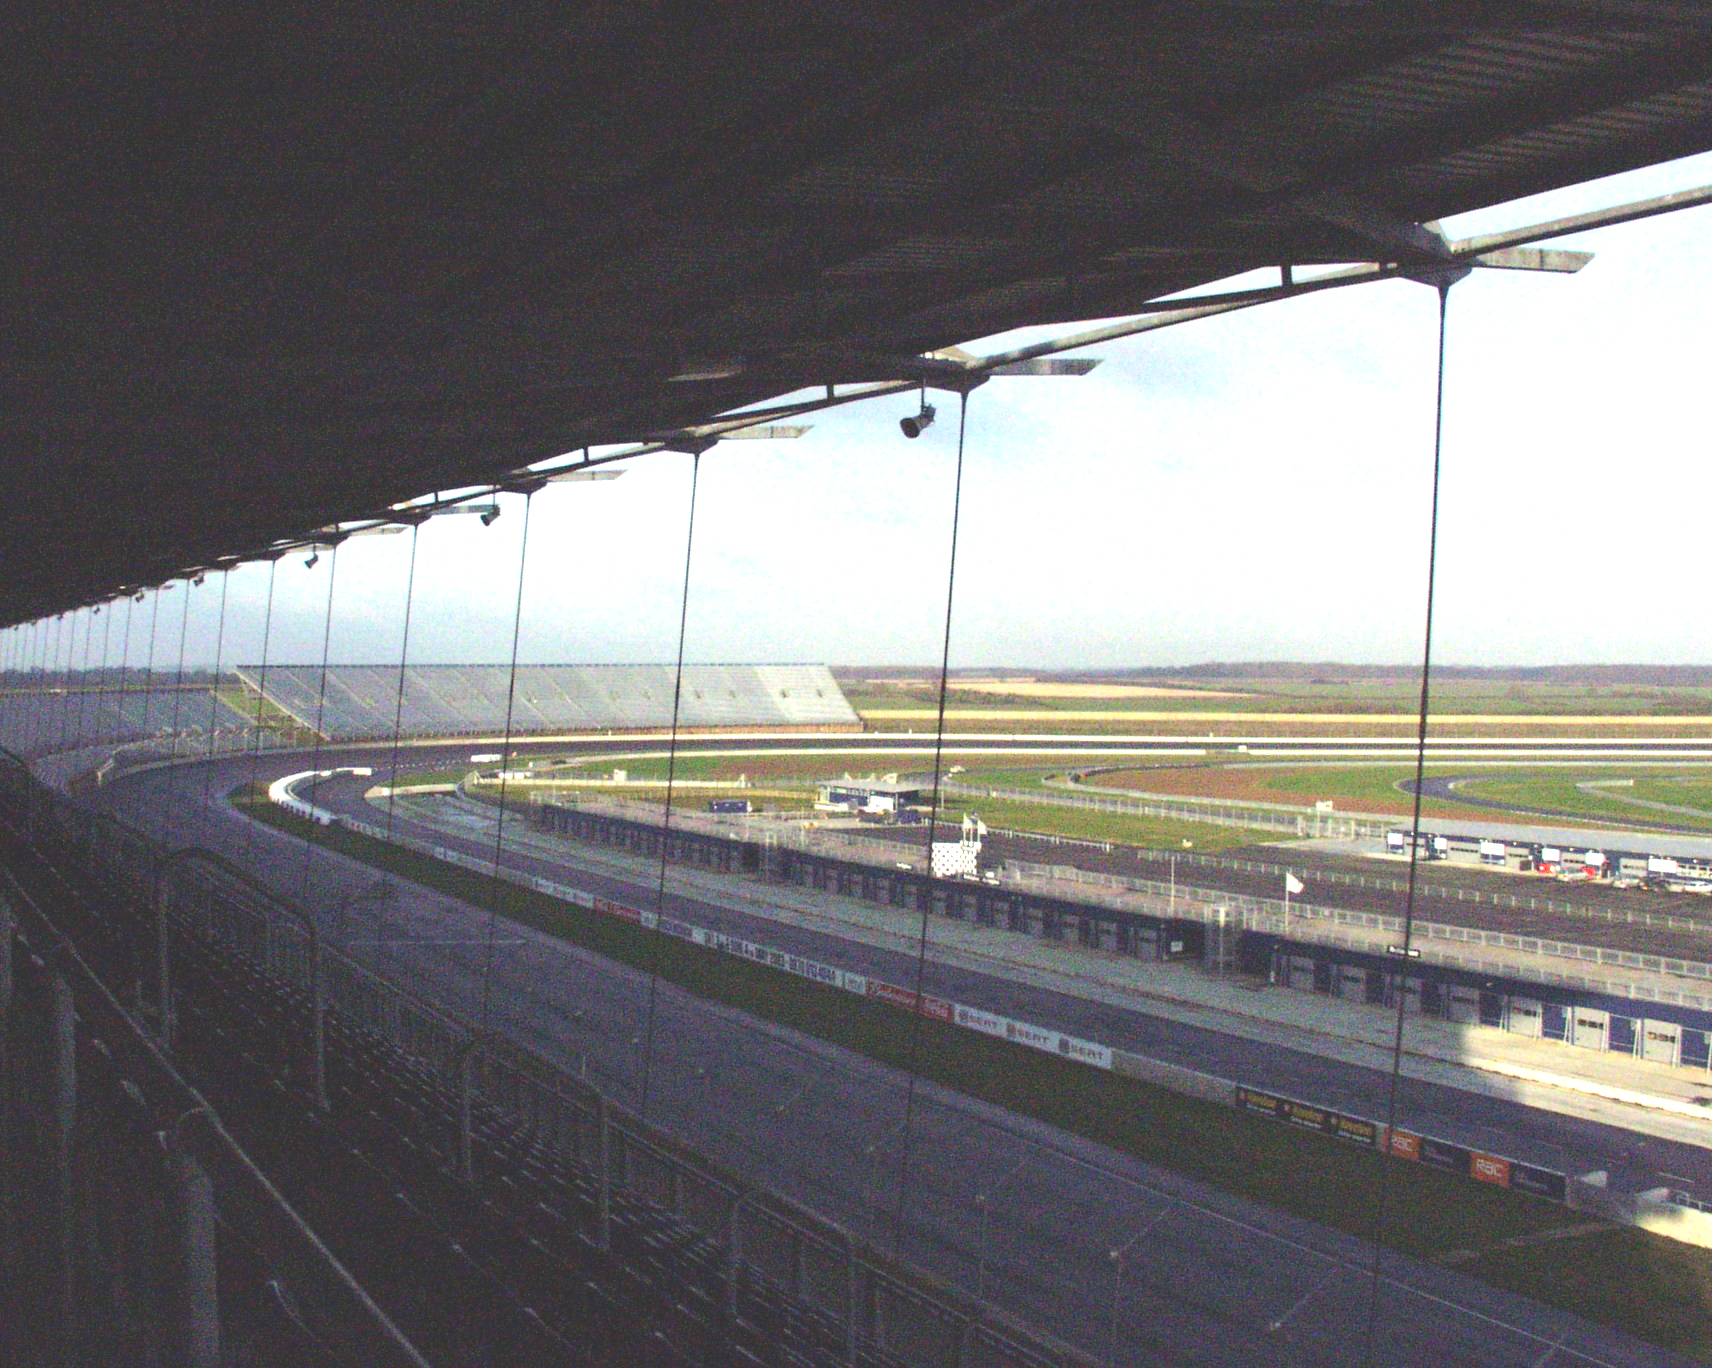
x=275 y=268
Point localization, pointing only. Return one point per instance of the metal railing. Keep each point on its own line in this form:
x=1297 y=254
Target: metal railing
x=882 y=1303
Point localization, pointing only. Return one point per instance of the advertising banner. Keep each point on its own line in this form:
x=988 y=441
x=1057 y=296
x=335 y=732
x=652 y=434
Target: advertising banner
x=1263 y=1103
x=1403 y=1145
x=1490 y=1168
x=977 y=1020
x=1085 y=1051
x=607 y=907
x=1036 y=1037
x=1354 y=1129
x=1538 y=1182
x=1438 y=1154
x=937 y=1008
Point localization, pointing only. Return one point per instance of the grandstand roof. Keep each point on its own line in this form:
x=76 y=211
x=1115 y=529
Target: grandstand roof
x=281 y=267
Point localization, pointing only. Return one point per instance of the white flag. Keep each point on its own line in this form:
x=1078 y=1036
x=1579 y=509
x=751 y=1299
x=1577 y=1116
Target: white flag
x=1292 y=883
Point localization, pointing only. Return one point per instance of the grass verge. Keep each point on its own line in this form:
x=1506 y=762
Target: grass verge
x=1091 y=824
x=1429 y=1213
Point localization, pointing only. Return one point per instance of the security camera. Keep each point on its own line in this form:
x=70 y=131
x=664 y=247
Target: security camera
x=313 y=560
x=913 y=425
x=489 y=516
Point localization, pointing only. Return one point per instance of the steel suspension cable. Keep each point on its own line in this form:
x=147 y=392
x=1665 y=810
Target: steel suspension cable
x=70 y=658
x=320 y=709
x=505 y=760
x=404 y=653
x=149 y=661
x=214 y=688
x=178 y=675
x=83 y=682
x=671 y=776
x=106 y=665
x=261 y=697
x=124 y=672
x=50 y=654
x=38 y=697
x=1385 y=1159
x=913 y=1060
x=49 y=651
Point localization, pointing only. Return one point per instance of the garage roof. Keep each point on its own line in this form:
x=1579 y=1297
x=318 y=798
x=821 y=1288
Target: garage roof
x=276 y=268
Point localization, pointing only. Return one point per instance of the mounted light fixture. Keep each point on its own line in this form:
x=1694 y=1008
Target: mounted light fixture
x=312 y=560
x=488 y=516
x=913 y=425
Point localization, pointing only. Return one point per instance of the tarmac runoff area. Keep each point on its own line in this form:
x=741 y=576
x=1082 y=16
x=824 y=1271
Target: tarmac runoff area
x=1200 y=1277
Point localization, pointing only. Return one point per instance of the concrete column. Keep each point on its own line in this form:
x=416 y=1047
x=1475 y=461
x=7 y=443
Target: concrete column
x=62 y=1121
x=193 y=1328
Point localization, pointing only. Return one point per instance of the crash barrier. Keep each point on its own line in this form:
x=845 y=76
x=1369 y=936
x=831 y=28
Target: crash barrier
x=781 y=1264
x=1212 y=812
x=1409 y=1146
x=115 y=1176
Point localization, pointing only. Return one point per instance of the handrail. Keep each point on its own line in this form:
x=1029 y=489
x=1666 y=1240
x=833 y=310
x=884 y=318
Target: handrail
x=123 y=1032
x=318 y=997
x=615 y=1125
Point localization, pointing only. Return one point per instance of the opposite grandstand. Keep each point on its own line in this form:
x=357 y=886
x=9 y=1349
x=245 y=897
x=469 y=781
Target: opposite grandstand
x=361 y=702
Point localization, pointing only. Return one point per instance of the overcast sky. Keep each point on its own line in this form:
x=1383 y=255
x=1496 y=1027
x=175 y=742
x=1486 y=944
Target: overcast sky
x=1253 y=486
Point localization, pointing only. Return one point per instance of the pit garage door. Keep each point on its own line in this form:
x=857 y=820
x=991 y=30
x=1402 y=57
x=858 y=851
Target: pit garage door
x=1694 y=1048
x=1352 y=981
x=1621 y=1034
x=1525 y=1018
x=1302 y=973
x=1660 y=1041
x=1588 y=1028
x=1461 y=1004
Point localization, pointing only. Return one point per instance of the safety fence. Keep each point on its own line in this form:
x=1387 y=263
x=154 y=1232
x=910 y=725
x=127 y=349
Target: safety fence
x=1273 y=869
x=1309 y=920
x=133 y=1228
x=887 y=1312
x=1213 y=812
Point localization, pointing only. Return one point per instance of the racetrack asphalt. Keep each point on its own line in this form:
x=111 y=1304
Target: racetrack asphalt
x=1202 y=1277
